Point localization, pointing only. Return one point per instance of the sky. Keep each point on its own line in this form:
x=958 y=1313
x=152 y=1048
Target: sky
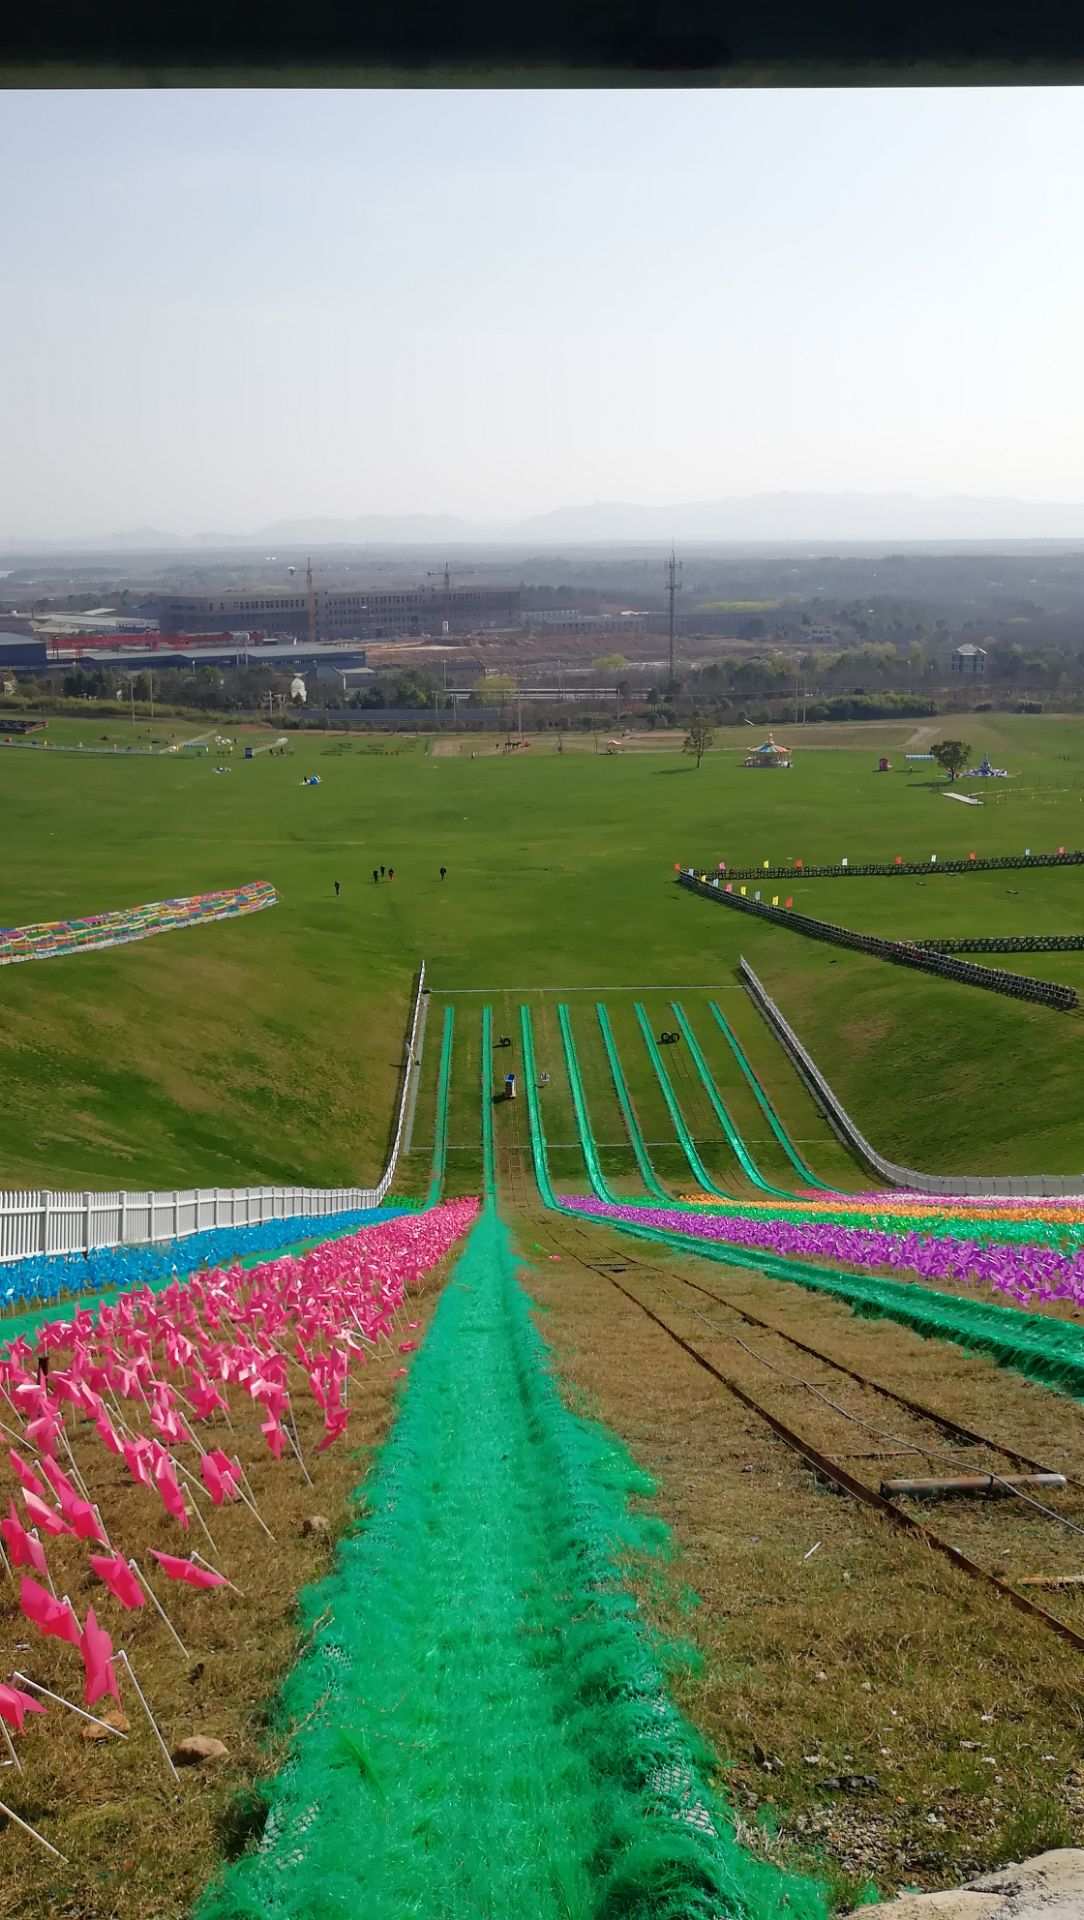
x=223 y=309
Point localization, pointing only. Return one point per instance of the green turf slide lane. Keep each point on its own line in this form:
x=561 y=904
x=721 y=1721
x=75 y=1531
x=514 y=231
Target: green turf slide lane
x=489 y=1174
x=737 y=1144
x=624 y=1101
x=685 y=1138
x=479 y=1728
x=765 y=1104
x=440 y=1137
x=583 y=1118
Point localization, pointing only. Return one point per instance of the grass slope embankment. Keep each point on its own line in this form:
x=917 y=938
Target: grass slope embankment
x=480 y=1724
x=269 y=1048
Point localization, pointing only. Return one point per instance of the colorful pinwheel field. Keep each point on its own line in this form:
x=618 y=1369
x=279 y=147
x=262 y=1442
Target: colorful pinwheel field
x=51 y=940
x=1030 y=1262
x=160 y=1455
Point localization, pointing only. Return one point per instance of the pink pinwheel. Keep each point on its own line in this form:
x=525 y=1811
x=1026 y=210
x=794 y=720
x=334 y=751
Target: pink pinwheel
x=220 y=1485
x=54 y=1617
x=107 y=1434
x=169 y=1489
x=335 y=1425
x=188 y=1571
x=45 y=1516
x=137 y=1459
x=229 y=1469
x=83 y=1520
x=27 y=1475
x=97 y=1650
x=23 y=1549
x=15 y=1705
x=119 y=1578
x=58 y=1480
x=42 y=1433
x=205 y=1398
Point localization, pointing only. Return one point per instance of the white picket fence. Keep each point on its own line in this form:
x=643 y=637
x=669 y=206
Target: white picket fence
x=35 y=1222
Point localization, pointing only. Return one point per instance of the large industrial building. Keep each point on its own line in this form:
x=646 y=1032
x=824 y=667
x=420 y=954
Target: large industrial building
x=350 y=613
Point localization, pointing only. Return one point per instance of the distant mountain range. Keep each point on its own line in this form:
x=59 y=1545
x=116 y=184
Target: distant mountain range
x=841 y=518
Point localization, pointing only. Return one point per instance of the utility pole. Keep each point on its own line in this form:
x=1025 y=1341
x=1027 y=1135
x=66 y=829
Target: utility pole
x=311 y=599
x=673 y=572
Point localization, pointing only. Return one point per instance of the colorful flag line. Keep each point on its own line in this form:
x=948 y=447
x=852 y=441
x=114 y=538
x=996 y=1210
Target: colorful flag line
x=47 y=940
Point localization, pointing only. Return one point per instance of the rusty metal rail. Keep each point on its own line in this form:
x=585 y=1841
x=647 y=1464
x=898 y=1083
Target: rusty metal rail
x=831 y=1470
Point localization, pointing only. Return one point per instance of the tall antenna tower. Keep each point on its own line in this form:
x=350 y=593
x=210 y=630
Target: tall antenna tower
x=310 y=593
x=673 y=577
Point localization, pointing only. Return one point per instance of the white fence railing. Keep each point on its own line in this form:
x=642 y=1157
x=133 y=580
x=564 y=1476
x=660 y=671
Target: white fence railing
x=36 y=1222
x=1023 y=1185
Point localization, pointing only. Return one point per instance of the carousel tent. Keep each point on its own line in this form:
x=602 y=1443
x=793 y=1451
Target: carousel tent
x=769 y=754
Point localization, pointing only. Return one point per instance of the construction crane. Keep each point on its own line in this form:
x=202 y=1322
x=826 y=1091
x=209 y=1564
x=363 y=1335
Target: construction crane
x=311 y=599
x=444 y=573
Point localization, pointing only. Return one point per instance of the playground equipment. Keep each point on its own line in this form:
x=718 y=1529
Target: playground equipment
x=768 y=754
x=984 y=771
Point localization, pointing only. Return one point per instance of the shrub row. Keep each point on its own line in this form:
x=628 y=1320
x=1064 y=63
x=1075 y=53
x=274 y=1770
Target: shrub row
x=907 y=866
x=904 y=953
x=1009 y=943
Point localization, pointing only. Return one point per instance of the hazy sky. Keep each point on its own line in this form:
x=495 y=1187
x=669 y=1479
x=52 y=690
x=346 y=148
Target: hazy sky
x=224 y=308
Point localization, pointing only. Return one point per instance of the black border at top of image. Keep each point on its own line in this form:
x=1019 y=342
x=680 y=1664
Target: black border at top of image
x=537 y=43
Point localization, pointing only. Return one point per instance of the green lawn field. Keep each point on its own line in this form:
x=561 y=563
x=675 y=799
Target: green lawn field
x=268 y=1048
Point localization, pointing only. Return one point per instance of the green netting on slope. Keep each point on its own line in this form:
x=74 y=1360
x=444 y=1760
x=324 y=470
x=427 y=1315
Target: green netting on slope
x=480 y=1727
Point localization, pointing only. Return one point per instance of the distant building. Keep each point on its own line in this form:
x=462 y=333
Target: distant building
x=350 y=613
x=969 y=660
x=571 y=620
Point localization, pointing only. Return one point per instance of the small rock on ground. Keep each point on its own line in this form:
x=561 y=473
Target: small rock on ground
x=316 y=1524
x=1050 y=1887
x=114 y=1718
x=197 y=1748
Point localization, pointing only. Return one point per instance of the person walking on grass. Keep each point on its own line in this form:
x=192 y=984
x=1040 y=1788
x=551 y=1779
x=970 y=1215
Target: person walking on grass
x=391 y=873
x=382 y=873
x=444 y=873
x=376 y=877
x=337 y=889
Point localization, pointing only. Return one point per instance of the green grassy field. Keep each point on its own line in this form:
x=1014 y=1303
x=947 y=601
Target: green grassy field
x=269 y=1047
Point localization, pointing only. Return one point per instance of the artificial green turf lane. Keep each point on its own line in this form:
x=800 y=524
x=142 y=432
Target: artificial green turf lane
x=779 y=1161
x=615 y=1153
x=479 y=1725
x=440 y=1122
x=645 y=1165
x=801 y=1117
x=701 y=1121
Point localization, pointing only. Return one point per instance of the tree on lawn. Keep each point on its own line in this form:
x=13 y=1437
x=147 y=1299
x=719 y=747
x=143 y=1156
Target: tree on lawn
x=699 y=737
x=953 y=755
